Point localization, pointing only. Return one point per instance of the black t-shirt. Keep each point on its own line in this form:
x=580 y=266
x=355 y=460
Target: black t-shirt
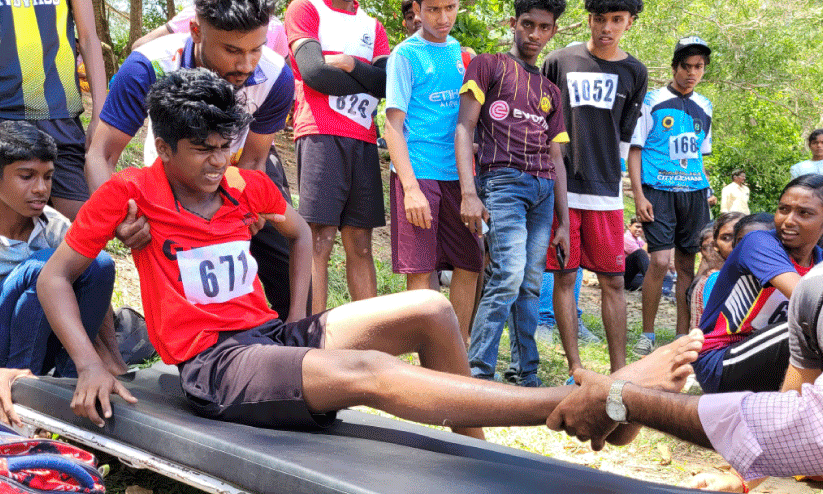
x=601 y=104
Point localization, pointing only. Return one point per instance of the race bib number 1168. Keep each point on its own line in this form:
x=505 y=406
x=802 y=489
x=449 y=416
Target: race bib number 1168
x=217 y=273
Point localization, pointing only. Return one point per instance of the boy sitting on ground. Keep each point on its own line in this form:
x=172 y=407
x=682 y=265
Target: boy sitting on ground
x=29 y=232
x=206 y=311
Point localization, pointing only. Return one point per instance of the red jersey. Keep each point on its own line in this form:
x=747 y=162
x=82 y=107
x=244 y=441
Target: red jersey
x=338 y=31
x=197 y=276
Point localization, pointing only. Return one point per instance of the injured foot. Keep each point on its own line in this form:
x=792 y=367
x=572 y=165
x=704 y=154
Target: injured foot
x=667 y=367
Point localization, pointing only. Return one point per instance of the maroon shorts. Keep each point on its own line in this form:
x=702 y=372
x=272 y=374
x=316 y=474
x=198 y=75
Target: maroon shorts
x=255 y=376
x=448 y=244
x=598 y=249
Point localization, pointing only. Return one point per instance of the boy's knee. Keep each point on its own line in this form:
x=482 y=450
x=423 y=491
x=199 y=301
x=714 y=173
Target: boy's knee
x=101 y=270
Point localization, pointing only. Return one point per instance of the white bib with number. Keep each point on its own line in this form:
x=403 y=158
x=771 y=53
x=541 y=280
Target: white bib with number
x=592 y=89
x=359 y=108
x=683 y=146
x=217 y=273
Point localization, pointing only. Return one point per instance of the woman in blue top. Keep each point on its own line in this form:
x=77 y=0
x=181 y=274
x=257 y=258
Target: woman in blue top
x=746 y=346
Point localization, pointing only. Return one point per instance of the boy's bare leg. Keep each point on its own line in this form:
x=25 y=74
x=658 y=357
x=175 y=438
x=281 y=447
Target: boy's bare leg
x=422 y=281
x=361 y=275
x=345 y=374
x=614 y=318
x=565 y=313
x=462 y=295
x=322 y=244
x=684 y=264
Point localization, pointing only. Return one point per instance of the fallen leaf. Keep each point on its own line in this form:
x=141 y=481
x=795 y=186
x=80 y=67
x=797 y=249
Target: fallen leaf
x=665 y=453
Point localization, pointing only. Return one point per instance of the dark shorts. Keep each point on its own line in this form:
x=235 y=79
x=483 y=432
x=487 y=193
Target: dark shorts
x=599 y=248
x=255 y=376
x=339 y=181
x=678 y=219
x=69 y=179
x=448 y=244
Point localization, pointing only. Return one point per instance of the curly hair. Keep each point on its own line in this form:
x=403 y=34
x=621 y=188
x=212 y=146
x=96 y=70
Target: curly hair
x=193 y=104
x=235 y=15
x=556 y=7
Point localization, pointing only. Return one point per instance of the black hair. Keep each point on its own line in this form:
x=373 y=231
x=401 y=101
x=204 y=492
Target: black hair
x=814 y=134
x=635 y=219
x=707 y=233
x=685 y=53
x=193 y=104
x=405 y=6
x=811 y=181
x=554 y=7
x=633 y=7
x=235 y=15
x=766 y=219
x=723 y=220
x=737 y=172
x=22 y=141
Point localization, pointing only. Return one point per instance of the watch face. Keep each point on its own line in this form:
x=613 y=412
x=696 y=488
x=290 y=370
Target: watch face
x=616 y=411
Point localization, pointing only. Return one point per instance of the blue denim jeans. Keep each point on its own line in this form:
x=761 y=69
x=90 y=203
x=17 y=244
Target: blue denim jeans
x=26 y=340
x=546 y=292
x=520 y=208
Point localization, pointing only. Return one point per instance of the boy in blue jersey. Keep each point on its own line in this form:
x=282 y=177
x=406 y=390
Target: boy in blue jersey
x=669 y=179
x=423 y=79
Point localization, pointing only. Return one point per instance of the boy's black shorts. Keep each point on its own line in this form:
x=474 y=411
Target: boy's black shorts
x=255 y=376
x=678 y=219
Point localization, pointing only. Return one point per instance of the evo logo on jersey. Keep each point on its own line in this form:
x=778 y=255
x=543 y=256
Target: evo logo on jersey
x=217 y=273
x=592 y=89
x=31 y=3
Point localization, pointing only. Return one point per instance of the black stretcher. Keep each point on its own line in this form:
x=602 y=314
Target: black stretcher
x=360 y=453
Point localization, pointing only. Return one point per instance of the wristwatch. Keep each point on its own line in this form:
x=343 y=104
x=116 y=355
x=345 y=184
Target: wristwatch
x=615 y=408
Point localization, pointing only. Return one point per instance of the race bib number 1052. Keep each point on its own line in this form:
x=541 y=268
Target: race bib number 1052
x=356 y=107
x=217 y=273
x=592 y=89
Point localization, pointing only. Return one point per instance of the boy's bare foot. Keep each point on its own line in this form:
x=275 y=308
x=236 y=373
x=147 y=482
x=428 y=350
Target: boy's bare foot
x=667 y=367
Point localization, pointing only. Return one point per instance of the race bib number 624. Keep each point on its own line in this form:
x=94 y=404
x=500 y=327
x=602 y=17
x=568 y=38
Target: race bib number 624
x=592 y=88
x=359 y=108
x=217 y=273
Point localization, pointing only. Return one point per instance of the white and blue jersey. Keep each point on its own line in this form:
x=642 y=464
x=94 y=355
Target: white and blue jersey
x=423 y=80
x=675 y=132
x=268 y=93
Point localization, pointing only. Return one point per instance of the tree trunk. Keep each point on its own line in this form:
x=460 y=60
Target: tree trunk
x=102 y=23
x=170 y=9
x=135 y=23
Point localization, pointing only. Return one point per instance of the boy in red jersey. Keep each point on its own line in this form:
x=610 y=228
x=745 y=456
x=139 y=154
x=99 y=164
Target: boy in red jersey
x=207 y=313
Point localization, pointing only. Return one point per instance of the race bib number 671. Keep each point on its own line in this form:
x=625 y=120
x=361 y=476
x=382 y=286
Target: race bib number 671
x=217 y=273
x=592 y=88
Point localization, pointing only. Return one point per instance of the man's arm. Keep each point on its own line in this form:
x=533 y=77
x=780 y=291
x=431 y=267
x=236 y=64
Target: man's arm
x=642 y=205
x=157 y=32
x=472 y=210
x=54 y=289
x=418 y=210
x=89 y=46
x=255 y=151
x=106 y=147
x=292 y=226
x=561 y=205
x=322 y=76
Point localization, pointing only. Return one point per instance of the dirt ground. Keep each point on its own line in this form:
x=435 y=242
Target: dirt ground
x=653 y=456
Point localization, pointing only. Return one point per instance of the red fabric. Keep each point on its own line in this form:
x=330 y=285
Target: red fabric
x=179 y=329
x=599 y=249
x=312 y=114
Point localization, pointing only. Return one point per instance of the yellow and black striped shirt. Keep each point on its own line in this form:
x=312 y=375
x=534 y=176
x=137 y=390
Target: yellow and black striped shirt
x=38 y=74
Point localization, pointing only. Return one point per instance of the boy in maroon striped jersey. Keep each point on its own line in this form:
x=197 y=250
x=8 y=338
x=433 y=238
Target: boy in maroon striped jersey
x=521 y=183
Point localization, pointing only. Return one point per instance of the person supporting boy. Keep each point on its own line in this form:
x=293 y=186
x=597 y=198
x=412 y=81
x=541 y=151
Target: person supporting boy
x=423 y=78
x=39 y=83
x=521 y=180
x=603 y=88
x=207 y=314
x=339 y=58
x=29 y=232
x=228 y=38
x=669 y=180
